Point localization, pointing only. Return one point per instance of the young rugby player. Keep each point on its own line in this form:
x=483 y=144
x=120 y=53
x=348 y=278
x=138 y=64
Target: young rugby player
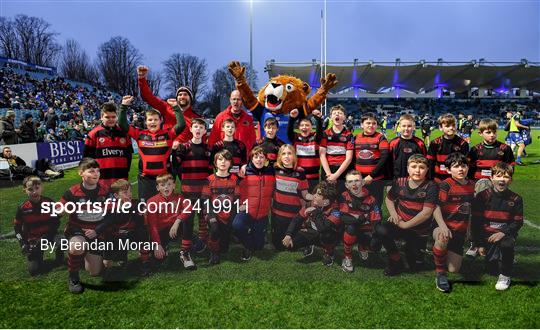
x=371 y=153
x=444 y=145
x=166 y=216
x=497 y=216
x=32 y=225
x=124 y=227
x=235 y=147
x=290 y=194
x=359 y=214
x=452 y=216
x=306 y=144
x=404 y=146
x=221 y=195
x=110 y=146
x=80 y=228
x=319 y=223
x=337 y=149
x=270 y=142
x=256 y=189
x=410 y=202
x=154 y=144
x=193 y=162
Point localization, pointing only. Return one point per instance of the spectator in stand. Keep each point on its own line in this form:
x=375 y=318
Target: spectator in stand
x=62 y=133
x=28 y=129
x=137 y=121
x=76 y=134
x=245 y=130
x=51 y=136
x=51 y=119
x=40 y=132
x=8 y=133
x=20 y=170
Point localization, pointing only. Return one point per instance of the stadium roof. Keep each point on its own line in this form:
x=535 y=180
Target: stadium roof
x=417 y=77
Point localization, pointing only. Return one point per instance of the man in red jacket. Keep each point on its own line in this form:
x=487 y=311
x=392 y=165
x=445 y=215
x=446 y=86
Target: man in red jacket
x=184 y=97
x=245 y=131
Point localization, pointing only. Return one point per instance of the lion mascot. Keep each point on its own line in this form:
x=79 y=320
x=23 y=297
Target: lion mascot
x=279 y=96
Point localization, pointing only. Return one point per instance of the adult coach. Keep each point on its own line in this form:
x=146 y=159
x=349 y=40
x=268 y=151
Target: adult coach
x=184 y=97
x=245 y=131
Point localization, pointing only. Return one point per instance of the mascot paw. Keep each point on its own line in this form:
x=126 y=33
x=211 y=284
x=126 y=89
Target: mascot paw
x=236 y=69
x=329 y=82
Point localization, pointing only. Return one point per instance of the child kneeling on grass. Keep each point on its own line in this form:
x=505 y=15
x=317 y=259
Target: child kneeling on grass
x=497 y=216
x=452 y=216
x=290 y=195
x=165 y=212
x=318 y=224
x=31 y=226
x=124 y=227
x=80 y=230
x=410 y=202
x=360 y=214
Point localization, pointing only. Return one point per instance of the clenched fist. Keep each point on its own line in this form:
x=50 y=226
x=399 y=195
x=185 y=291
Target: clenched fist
x=127 y=100
x=142 y=71
x=172 y=102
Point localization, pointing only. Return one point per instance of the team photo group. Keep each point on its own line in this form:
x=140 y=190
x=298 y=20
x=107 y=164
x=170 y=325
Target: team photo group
x=305 y=181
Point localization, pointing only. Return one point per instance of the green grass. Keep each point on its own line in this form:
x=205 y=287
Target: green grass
x=274 y=289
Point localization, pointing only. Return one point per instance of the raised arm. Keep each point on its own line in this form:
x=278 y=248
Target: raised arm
x=122 y=116
x=146 y=94
x=238 y=73
x=317 y=99
x=180 y=121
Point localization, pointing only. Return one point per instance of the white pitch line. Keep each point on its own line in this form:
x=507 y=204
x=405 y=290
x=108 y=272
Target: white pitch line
x=527 y=222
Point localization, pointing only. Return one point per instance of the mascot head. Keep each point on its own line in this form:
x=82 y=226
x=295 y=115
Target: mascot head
x=283 y=94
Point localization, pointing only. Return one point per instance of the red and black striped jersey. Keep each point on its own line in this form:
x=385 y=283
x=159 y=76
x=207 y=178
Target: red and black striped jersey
x=88 y=203
x=400 y=151
x=455 y=201
x=307 y=147
x=337 y=145
x=319 y=219
x=162 y=212
x=111 y=148
x=494 y=212
x=122 y=222
x=154 y=149
x=307 y=153
x=371 y=152
x=236 y=148
x=290 y=183
x=31 y=223
x=439 y=149
x=257 y=188
x=222 y=189
x=363 y=209
x=409 y=202
x=482 y=157
x=271 y=148
x=194 y=166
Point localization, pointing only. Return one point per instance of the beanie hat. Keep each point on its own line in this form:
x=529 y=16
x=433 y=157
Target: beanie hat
x=187 y=90
x=10 y=113
x=28 y=115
